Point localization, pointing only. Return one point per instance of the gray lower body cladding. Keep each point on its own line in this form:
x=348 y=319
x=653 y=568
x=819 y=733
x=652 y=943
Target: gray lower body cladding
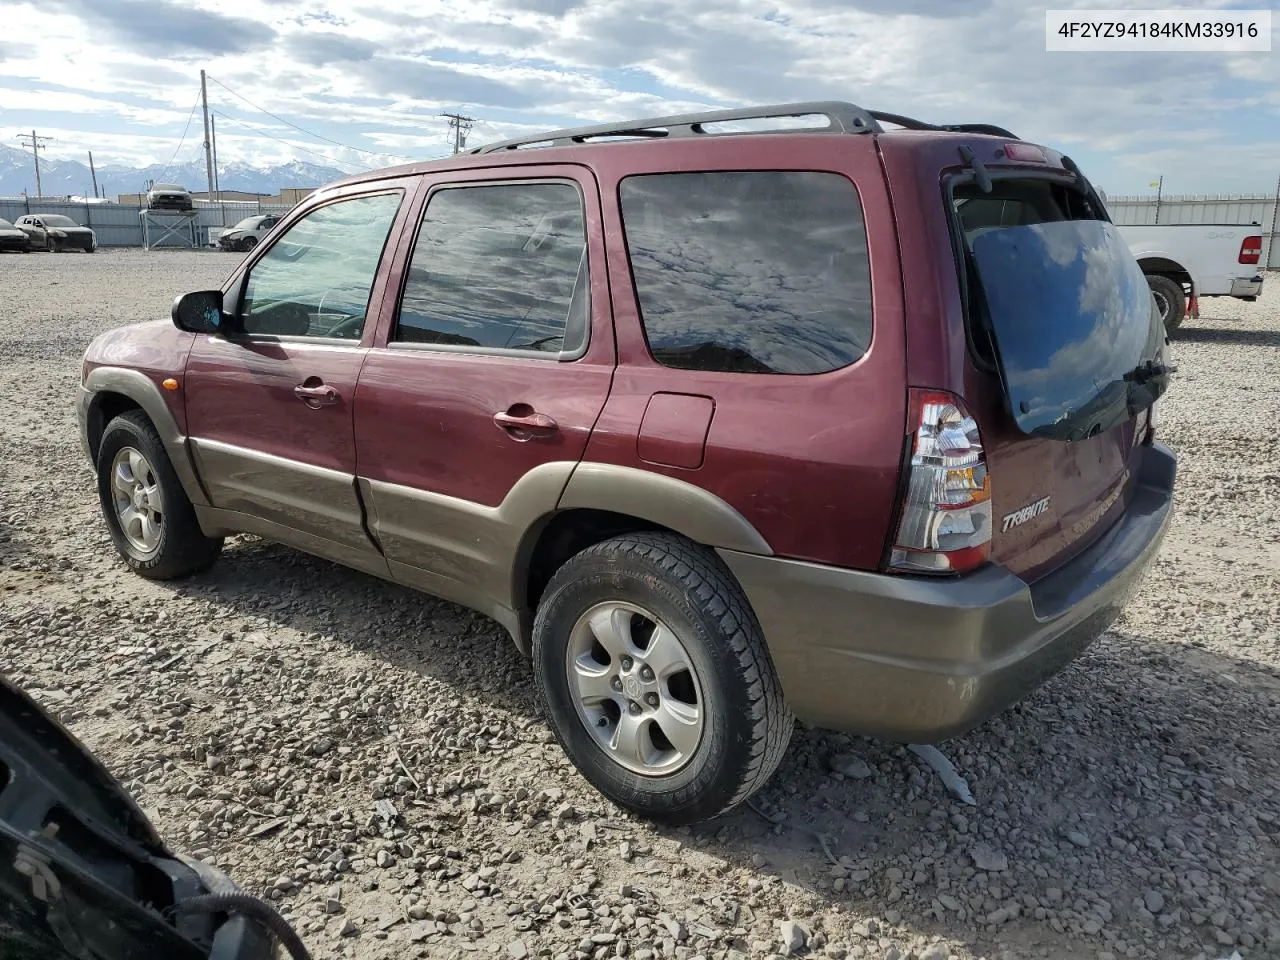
x=921 y=659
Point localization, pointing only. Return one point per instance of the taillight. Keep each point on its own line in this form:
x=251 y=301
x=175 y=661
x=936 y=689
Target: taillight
x=946 y=517
x=1251 y=249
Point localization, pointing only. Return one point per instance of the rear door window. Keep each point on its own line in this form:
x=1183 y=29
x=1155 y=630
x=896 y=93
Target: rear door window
x=499 y=267
x=750 y=272
x=1059 y=305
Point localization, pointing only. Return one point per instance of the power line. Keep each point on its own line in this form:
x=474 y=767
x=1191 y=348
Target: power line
x=287 y=143
x=287 y=123
x=190 y=116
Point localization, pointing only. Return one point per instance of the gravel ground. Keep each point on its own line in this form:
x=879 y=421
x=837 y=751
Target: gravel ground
x=372 y=759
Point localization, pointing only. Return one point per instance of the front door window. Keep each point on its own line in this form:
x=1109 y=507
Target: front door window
x=315 y=280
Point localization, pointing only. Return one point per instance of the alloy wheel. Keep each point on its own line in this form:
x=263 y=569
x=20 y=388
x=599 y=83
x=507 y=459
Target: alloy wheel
x=635 y=688
x=135 y=492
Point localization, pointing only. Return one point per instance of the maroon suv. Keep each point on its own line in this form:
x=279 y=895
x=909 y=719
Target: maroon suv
x=848 y=418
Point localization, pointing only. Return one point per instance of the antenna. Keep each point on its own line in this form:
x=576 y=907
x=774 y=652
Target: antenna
x=36 y=144
x=460 y=126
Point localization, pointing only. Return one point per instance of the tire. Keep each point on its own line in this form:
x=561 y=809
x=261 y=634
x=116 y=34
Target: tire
x=248 y=243
x=651 y=582
x=1171 y=299
x=177 y=547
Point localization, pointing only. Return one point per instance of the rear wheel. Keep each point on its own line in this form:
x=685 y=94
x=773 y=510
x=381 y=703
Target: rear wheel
x=1171 y=300
x=148 y=515
x=657 y=680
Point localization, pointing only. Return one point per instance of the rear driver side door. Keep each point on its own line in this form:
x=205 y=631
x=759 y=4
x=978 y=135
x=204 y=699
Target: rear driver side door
x=476 y=405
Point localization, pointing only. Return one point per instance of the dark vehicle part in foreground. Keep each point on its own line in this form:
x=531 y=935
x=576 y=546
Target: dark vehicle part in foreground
x=835 y=421
x=83 y=874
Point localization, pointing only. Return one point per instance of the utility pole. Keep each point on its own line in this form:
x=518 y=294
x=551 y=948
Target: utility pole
x=460 y=126
x=208 y=149
x=1159 y=193
x=93 y=173
x=213 y=128
x=1272 y=260
x=36 y=145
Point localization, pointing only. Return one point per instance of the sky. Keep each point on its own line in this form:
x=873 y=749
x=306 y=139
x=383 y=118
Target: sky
x=367 y=82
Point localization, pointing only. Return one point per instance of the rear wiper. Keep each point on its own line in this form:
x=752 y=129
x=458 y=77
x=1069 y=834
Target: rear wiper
x=1148 y=371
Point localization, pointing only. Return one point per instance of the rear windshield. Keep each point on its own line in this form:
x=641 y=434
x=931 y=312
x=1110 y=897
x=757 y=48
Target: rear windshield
x=1059 y=306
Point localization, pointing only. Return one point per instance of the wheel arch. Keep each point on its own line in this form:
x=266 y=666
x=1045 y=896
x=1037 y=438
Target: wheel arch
x=1167 y=266
x=601 y=501
x=115 y=390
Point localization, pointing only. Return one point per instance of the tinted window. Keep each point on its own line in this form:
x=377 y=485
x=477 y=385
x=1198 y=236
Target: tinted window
x=750 y=272
x=315 y=280
x=500 y=266
x=1067 y=308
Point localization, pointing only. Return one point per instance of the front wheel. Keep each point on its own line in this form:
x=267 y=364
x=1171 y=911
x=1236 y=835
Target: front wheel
x=1171 y=300
x=657 y=680
x=248 y=243
x=148 y=515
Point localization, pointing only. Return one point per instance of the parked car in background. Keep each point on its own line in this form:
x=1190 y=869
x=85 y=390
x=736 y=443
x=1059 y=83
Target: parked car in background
x=725 y=428
x=55 y=233
x=246 y=234
x=168 y=196
x=1186 y=262
x=13 y=239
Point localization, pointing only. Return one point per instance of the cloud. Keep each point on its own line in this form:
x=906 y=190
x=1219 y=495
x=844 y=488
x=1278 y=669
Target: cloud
x=416 y=77
x=165 y=27
x=323 y=49
x=360 y=72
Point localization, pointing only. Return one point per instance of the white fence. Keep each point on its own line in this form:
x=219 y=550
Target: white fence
x=120 y=224
x=1237 y=209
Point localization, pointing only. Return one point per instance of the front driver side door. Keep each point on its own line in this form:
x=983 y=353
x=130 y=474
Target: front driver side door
x=269 y=406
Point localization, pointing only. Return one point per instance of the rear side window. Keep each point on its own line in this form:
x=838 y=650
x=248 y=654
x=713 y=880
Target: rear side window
x=750 y=272
x=499 y=267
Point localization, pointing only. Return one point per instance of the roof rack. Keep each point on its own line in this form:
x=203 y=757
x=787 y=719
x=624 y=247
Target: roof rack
x=912 y=124
x=841 y=118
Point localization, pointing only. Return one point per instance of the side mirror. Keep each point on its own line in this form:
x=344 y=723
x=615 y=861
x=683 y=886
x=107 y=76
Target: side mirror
x=200 y=312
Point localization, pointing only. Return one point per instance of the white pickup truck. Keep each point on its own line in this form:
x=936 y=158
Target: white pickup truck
x=1184 y=262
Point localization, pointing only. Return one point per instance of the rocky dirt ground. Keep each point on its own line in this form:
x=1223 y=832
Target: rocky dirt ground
x=373 y=761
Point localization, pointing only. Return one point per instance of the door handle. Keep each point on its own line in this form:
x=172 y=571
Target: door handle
x=525 y=426
x=316 y=396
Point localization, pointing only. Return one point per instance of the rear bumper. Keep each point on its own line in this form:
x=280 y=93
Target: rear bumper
x=1247 y=287
x=920 y=660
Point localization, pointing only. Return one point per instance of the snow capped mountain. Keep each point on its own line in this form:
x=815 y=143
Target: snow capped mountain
x=71 y=177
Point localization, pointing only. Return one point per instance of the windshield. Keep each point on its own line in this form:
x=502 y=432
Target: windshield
x=53 y=220
x=248 y=223
x=1072 y=329
x=168 y=186
x=6 y=225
